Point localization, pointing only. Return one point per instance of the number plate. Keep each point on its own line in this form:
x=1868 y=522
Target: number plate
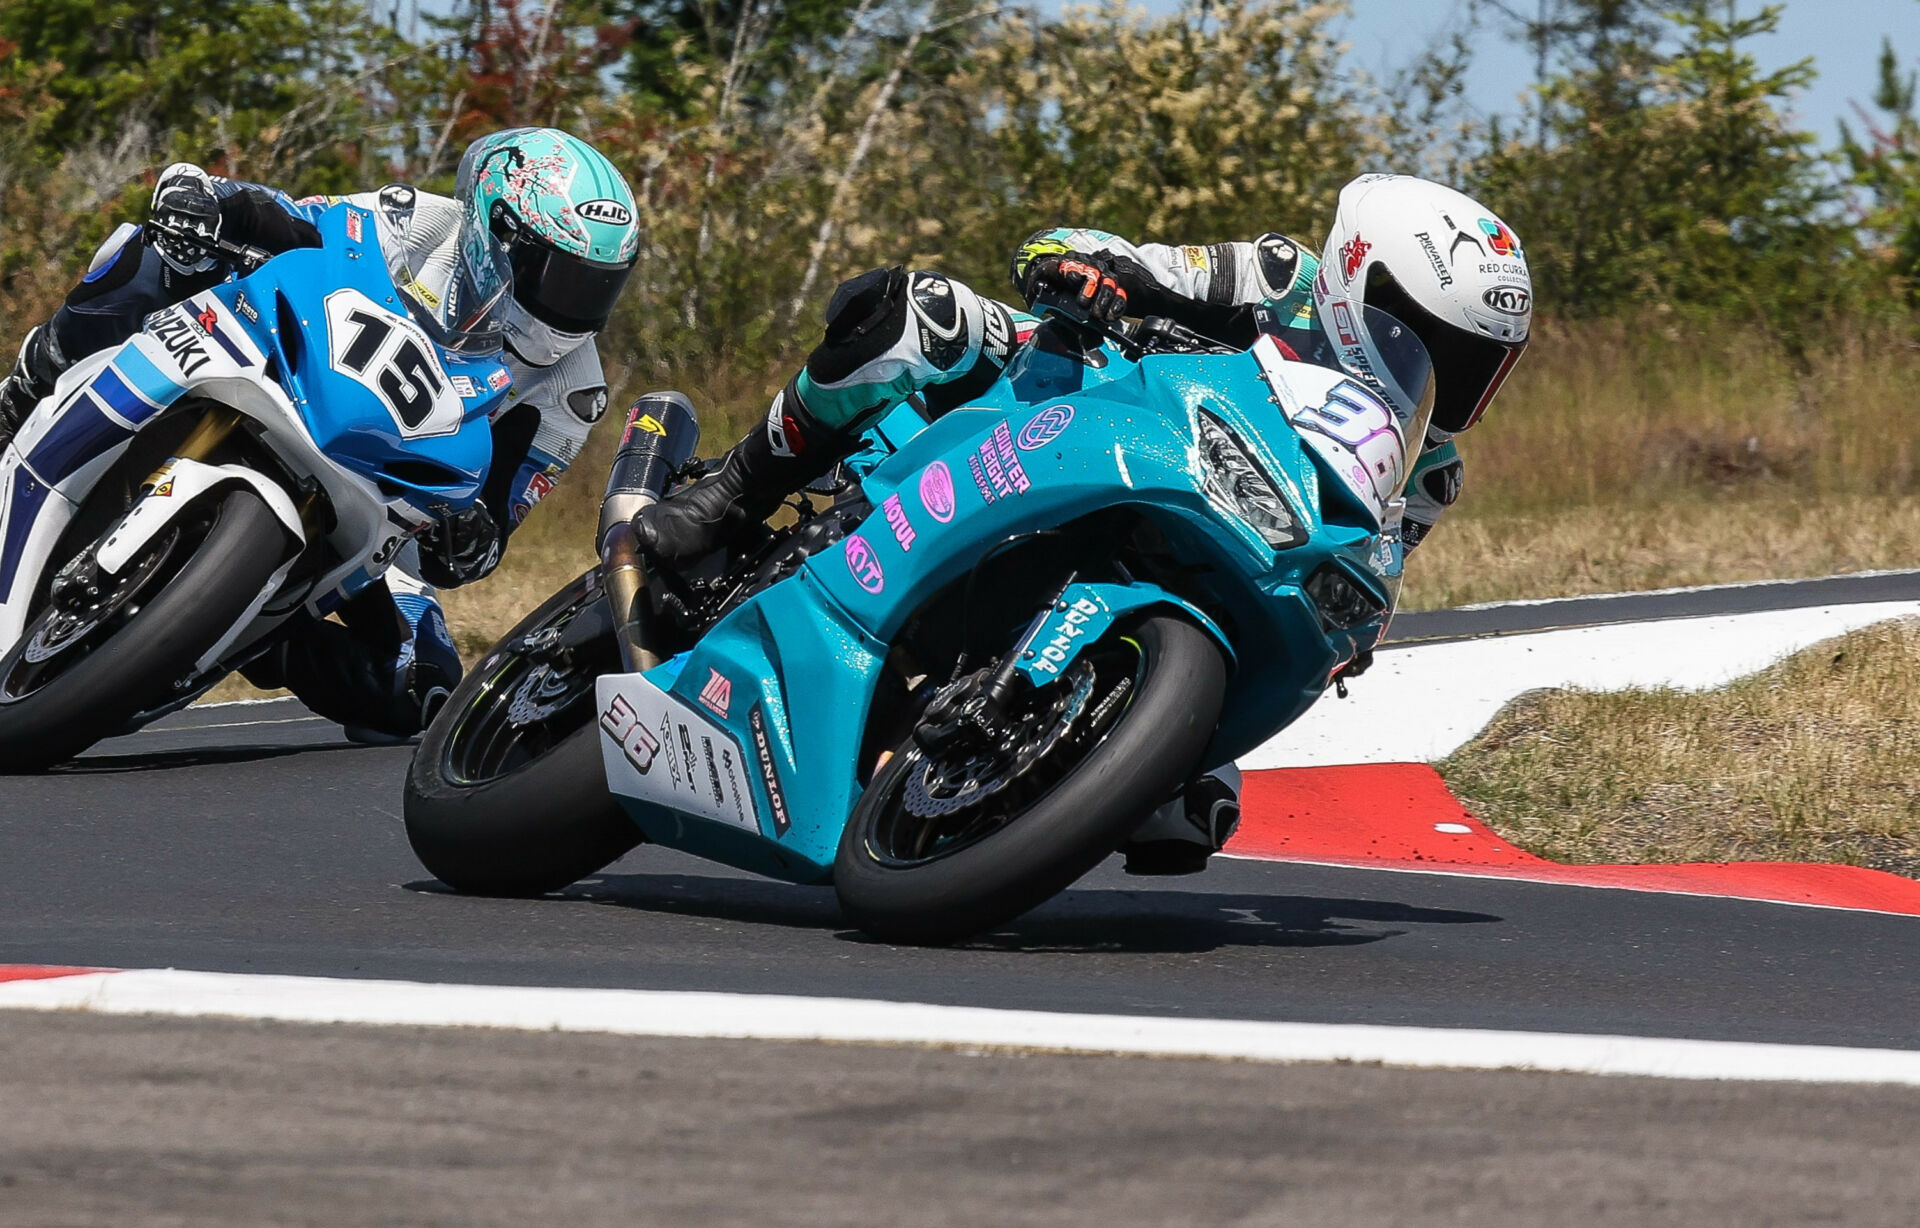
x=391 y=357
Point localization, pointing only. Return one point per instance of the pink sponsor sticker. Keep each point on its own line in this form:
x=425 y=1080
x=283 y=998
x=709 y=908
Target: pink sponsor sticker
x=864 y=564
x=936 y=491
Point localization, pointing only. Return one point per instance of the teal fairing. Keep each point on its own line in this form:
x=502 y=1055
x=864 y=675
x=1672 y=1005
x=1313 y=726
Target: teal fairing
x=1057 y=441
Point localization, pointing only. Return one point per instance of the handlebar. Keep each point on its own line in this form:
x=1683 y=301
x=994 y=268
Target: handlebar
x=247 y=258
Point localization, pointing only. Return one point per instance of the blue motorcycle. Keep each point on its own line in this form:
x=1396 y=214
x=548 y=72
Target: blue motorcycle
x=247 y=462
x=969 y=671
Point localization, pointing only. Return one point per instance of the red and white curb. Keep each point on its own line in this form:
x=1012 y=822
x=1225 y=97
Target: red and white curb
x=1401 y=816
x=636 y=1012
x=1382 y=808
x=1422 y=702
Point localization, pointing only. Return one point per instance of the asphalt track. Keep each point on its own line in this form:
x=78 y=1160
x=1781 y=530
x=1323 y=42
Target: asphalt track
x=254 y=839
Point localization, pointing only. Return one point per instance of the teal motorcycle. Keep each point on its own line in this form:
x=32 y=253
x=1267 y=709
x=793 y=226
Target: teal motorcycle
x=972 y=666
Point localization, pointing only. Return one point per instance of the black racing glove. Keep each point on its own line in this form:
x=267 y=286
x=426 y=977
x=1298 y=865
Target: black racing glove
x=1086 y=281
x=460 y=549
x=185 y=218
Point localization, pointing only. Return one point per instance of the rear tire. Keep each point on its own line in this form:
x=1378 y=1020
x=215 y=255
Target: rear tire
x=1149 y=750
x=45 y=722
x=540 y=817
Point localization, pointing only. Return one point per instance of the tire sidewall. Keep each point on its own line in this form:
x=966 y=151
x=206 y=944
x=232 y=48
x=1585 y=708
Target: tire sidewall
x=189 y=615
x=1156 y=745
x=529 y=833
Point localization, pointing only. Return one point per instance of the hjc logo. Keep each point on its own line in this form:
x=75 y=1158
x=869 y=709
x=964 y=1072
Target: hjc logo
x=612 y=212
x=864 y=564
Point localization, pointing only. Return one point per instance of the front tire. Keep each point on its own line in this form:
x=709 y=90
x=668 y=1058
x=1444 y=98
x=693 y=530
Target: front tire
x=902 y=880
x=507 y=795
x=75 y=678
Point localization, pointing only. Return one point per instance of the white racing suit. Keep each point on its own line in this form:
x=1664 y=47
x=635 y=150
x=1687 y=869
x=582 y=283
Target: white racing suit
x=387 y=663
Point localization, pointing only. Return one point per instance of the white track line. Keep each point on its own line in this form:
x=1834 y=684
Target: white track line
x=284 y=720
x=762 y=1017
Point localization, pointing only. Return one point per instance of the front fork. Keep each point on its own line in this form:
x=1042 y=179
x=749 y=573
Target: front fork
x=80 y=582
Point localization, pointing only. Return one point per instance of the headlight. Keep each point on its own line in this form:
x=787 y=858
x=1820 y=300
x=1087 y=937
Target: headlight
x=1341 y=603
x=1236 y=484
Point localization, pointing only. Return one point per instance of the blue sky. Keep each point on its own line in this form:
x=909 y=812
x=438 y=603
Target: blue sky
x=1843 y=36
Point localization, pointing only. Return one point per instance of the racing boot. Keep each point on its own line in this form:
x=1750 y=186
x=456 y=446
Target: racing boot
x=756 y=475
x=31 y=381
x=1184 y=833
x=424 y=670
x=382 y=671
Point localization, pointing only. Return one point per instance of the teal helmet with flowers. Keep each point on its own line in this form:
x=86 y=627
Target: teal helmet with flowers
x=550 y=227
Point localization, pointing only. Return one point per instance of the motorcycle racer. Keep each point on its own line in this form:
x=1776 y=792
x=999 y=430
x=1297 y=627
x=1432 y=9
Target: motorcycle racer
x=1440 y=262
x=532 y=250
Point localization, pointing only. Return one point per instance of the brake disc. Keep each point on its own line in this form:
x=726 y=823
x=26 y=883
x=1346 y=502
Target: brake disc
x=542 y=693
x=936 y=787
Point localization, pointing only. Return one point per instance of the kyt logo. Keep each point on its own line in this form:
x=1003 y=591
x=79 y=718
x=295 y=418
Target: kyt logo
x=1508 y=300
x=864 y=564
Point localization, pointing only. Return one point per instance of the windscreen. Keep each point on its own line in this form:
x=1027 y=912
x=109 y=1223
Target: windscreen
x=1407 y=368
x=453 y=292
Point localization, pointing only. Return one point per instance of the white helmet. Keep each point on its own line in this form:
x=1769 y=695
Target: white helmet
x=1442 y=264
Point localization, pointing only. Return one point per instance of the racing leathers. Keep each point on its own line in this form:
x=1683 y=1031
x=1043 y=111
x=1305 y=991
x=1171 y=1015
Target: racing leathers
x=894 y=333
x=388 y=660
x=1214 y=289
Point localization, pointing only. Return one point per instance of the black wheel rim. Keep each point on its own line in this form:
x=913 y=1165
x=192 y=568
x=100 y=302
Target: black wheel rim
x=1081 y=711
x=69 y=629
x=534 y=696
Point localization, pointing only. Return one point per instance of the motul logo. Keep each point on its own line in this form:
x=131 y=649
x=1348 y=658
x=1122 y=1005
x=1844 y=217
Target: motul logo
x=612 y=212
x=1508 y=301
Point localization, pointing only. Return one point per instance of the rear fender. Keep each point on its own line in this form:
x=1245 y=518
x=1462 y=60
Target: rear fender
x=180 y=483
x=1085 y=612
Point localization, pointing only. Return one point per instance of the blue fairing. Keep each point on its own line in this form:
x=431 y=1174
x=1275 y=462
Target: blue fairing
x=283 y=307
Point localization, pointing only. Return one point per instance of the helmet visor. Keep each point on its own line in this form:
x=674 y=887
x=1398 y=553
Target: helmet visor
x=1468 y=368
x=565 y=292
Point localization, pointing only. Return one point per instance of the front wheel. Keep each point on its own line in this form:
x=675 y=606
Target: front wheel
x=943 y=846
x=104 y=648
x=507 y=795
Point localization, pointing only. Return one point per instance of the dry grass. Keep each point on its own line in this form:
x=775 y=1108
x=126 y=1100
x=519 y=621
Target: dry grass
x=1630 y=546
x=1618 y=459
x=1816 y=759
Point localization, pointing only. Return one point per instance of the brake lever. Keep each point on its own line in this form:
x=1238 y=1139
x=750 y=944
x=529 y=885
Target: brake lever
x=1068 y=310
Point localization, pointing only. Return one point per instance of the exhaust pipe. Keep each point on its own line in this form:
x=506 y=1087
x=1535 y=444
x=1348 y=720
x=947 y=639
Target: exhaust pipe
x=661 y=434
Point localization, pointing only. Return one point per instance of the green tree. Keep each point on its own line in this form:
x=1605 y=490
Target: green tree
x=1669 y=175
x=1885 y=164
